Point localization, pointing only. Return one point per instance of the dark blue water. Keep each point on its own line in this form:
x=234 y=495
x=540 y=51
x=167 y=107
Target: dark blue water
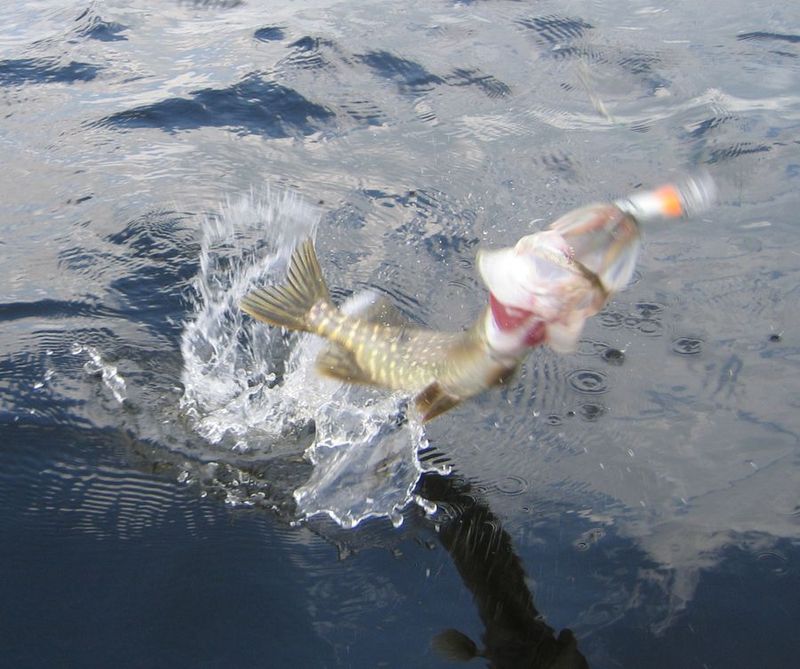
x=634 y=504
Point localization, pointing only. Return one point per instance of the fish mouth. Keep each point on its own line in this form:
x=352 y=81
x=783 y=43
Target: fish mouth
x=559 y=277
x=595 y=247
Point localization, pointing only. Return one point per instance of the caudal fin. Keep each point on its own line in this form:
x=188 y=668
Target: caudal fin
x=287 y=305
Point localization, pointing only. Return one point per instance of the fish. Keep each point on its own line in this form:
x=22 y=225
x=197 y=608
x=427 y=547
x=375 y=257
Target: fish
x=443 y=368
x=541 y=291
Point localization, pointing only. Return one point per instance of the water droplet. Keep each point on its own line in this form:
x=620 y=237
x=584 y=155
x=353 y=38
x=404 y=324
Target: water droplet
x=588 y=381
x=687 y=345
x=613 y=356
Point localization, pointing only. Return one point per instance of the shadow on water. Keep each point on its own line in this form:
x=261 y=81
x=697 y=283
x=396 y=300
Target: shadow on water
x=19 y=71
x=255 y=105
x=516 y=634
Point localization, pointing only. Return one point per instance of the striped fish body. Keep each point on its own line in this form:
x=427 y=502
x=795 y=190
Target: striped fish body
x=442 y=368
x=405 y=358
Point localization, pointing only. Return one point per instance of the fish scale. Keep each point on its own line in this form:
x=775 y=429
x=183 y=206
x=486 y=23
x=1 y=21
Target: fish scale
x=396 y=357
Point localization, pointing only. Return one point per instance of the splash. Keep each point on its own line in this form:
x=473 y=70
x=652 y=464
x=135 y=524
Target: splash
x=97 y=366
x=251 y=389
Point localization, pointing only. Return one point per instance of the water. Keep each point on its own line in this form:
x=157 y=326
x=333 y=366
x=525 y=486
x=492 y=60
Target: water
x=179 y=489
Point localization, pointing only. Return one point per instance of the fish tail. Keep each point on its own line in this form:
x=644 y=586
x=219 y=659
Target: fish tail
x=288 y=305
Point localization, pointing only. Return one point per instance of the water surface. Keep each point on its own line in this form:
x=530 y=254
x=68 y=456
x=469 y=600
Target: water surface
x=632 y=504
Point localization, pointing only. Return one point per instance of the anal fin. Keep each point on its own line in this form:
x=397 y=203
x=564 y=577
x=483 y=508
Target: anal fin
x=339 y=363
x=433 y=401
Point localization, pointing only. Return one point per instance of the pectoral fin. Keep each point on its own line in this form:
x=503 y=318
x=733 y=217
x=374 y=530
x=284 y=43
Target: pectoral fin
x=433 y=400
x=339 y=363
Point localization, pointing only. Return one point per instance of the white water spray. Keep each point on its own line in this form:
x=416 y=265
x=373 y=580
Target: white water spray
x=250 y=388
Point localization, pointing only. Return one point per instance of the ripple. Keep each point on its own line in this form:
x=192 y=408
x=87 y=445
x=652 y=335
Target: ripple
x=649 y=309
x=512 y=485
x=491 y=86
x=552 y=30
x=759 y=35
x=364 y=111
x=588 y=381
x=591 y=412
x=586 y=540
x=687 y=345
x=611 y=319
x=651 y=328
x=269 y=34
x=591 y=347
x=19 y=71
x=613 y=356
x=409 y=76
x=307 y=54
x=701 y=128
x=775 y=562
x=90 y=25
x=734 y=151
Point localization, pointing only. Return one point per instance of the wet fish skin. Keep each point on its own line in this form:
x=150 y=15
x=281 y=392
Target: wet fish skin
x=443 y=368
